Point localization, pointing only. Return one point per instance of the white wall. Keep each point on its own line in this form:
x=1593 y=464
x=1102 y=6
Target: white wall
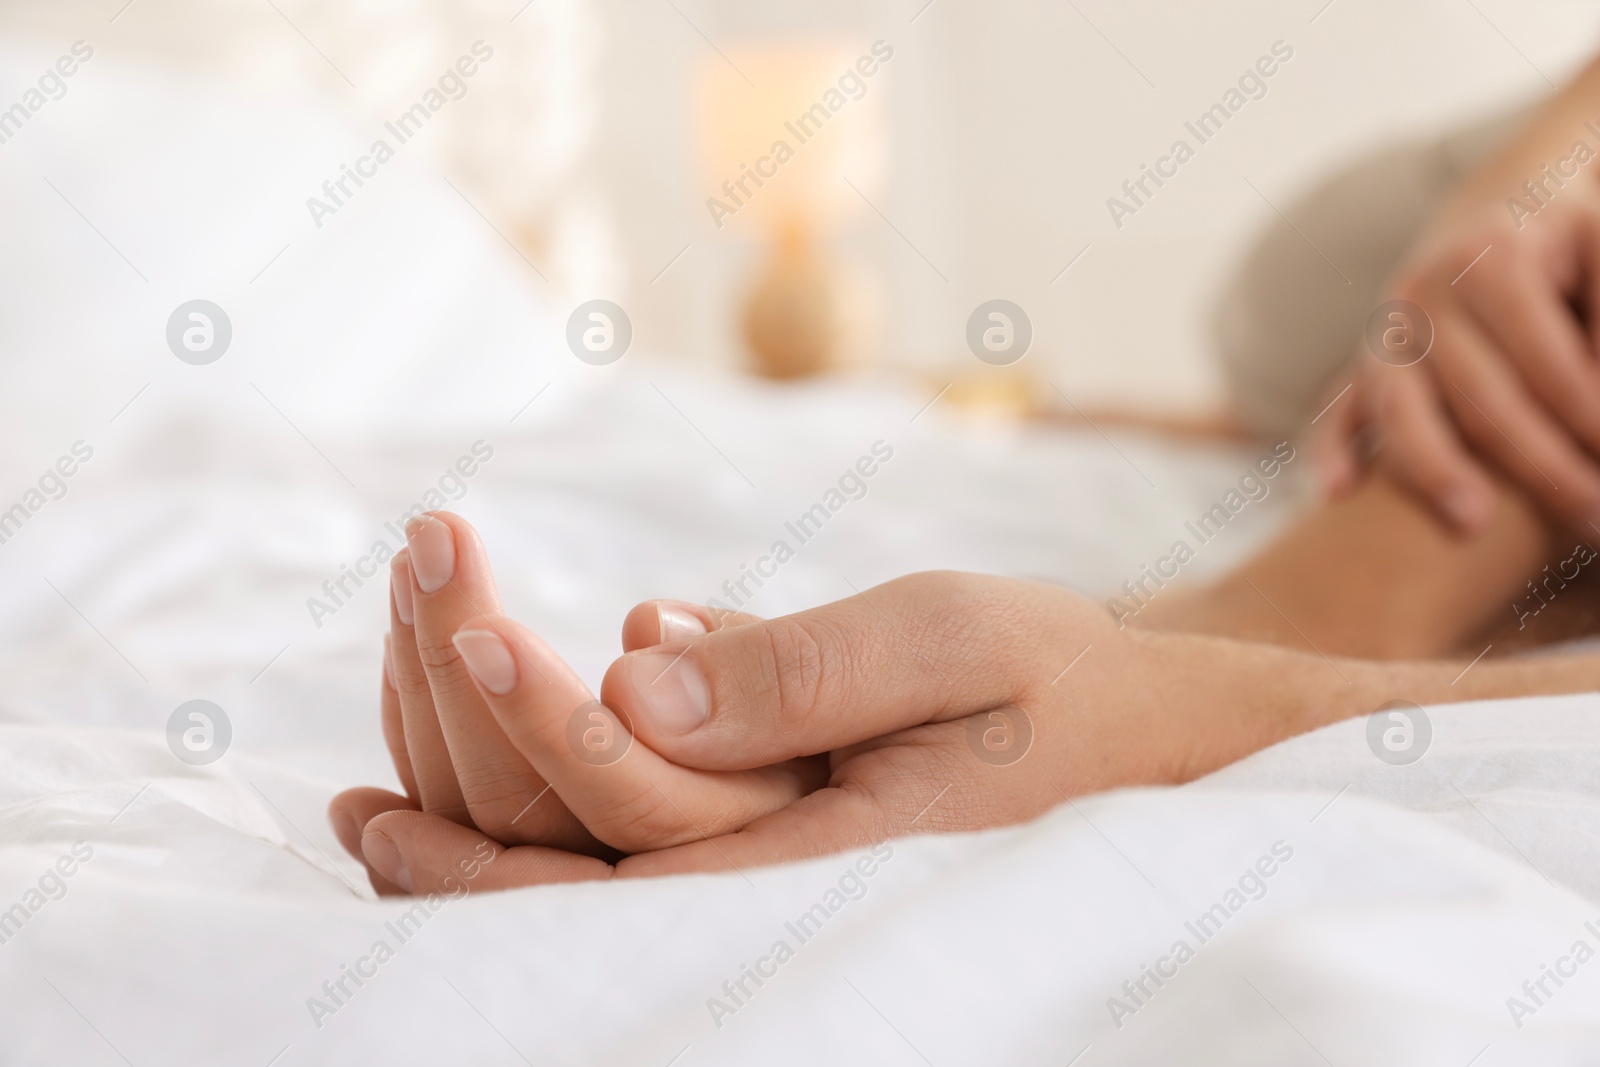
x=1010 y=123
x=1014 y=120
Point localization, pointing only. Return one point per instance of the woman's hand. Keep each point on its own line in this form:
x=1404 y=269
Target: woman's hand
x=458 y=764
x=1508 y=284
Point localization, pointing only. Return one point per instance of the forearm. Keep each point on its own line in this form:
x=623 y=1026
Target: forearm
x=1235 y=698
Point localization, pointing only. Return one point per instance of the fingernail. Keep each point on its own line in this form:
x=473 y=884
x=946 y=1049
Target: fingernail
x=400 y=582
x=433 y=552
x=388 y=662
x=670 y=690
x=488 y=658
x=675 y=624
x=386 y=859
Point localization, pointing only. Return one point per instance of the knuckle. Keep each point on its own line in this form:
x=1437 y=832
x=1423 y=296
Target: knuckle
x=645 y=822
x=437 y=653
x=443 y=678
x=800 y=658
x=411 y=681
x=943 y=585
x=954 y=608
x=981 y=623
x=494 y=790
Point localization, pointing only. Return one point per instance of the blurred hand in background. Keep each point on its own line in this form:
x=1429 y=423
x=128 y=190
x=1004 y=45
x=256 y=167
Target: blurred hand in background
x=1507 y=279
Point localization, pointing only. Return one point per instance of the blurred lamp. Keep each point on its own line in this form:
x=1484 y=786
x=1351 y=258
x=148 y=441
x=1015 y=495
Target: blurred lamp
x=791 y=140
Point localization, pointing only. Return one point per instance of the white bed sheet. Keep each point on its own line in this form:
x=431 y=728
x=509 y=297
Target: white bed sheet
x=205 y=922
x=217 y=902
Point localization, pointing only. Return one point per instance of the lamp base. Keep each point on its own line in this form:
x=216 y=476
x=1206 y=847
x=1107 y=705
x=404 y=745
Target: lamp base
x=793 y=318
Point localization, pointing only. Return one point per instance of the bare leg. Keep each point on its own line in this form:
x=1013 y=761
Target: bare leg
x=1376 y=576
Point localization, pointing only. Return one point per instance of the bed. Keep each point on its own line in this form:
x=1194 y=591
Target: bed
x=202 y=913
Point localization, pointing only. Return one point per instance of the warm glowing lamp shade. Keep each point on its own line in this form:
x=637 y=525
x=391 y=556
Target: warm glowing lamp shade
x=791 y=141
x=784 y=147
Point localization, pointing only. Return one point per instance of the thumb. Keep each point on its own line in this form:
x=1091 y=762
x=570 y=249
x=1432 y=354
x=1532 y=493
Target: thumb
x=924 y=648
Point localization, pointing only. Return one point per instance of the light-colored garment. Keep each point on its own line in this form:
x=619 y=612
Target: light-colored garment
x=1290 y=319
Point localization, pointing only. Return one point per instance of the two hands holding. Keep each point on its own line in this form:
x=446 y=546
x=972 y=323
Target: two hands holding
x=934 y=702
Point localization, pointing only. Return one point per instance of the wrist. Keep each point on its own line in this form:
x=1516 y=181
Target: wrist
x=1218 y=699
x=1230 y=698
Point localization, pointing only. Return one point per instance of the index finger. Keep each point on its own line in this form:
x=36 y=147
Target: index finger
x=1526 y=317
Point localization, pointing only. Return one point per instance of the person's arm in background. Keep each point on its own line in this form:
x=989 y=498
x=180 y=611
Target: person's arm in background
x=1508 y=272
